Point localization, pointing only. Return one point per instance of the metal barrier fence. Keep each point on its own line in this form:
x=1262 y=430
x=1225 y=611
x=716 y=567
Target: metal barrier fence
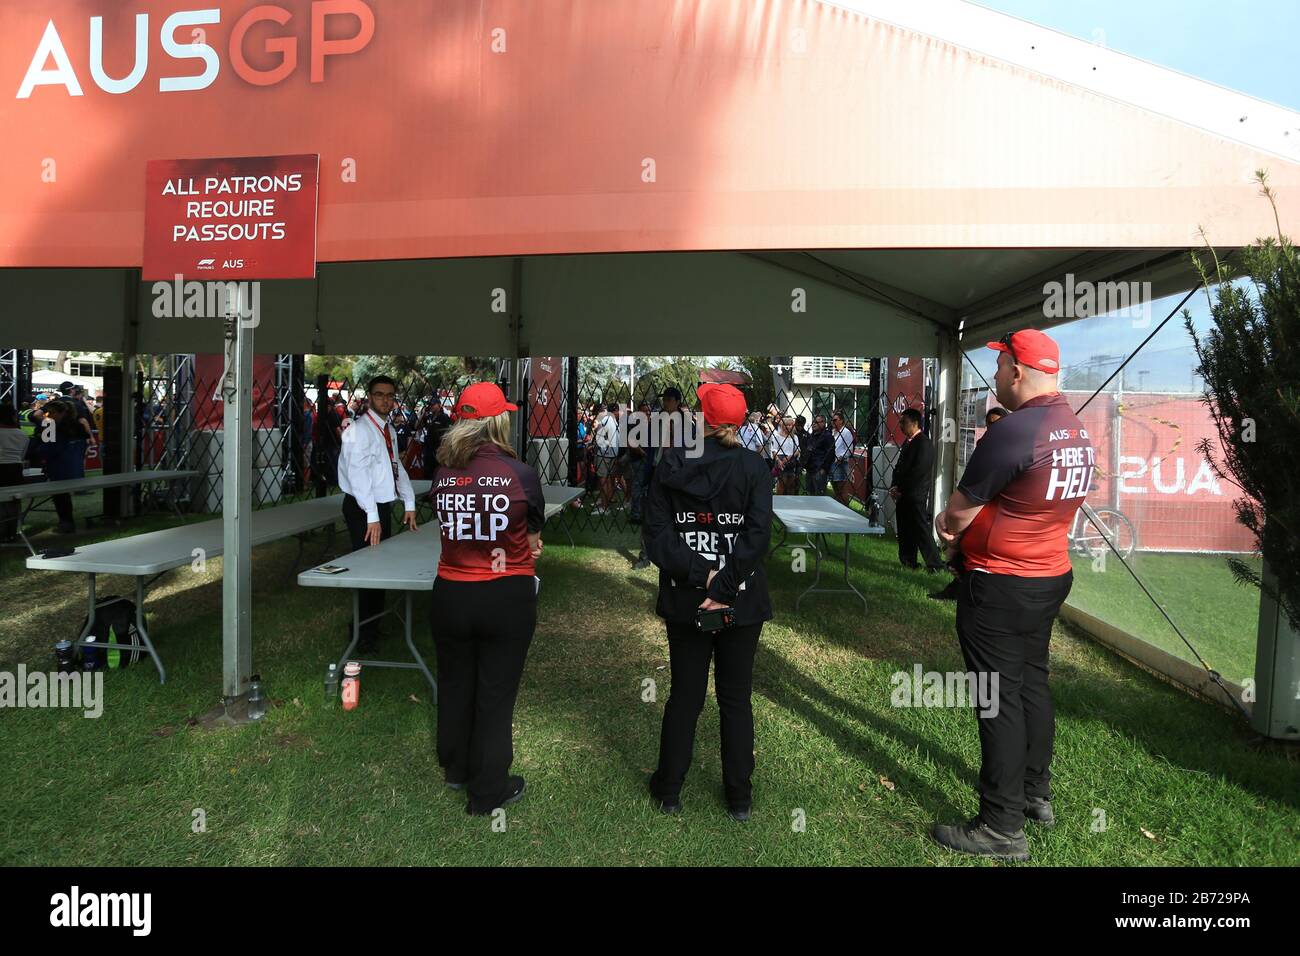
x=563 y=402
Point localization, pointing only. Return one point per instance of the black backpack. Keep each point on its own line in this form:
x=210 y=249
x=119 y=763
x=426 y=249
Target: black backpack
x=117 y=639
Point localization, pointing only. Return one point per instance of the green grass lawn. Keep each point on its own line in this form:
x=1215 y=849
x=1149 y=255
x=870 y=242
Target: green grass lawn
x=1219 y=616
x=1177 y=780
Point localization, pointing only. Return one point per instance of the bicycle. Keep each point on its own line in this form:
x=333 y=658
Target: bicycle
x=1092 y=528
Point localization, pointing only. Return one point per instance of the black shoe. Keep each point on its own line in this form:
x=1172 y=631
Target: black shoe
x=455 y=784
x=739 y=813
x=947 y=594
x=515 y=791
x=668 y=805
x=978 y=839
x=640 y=564
x=1039 y=810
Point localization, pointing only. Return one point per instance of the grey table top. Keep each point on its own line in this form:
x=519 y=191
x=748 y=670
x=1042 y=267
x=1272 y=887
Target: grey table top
x=558 y=497
x=41 y=489
x=408 y=561
x=405 y=562
x=820 y=514
x=158 y=551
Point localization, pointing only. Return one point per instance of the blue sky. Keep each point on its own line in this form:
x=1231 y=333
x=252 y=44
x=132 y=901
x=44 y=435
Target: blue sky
x=1246 y=45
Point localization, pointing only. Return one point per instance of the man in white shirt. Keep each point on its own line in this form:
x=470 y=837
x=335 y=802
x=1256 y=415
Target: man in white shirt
x=842 y=463
x=371 y=477
x=607 y=457
x=752 y=435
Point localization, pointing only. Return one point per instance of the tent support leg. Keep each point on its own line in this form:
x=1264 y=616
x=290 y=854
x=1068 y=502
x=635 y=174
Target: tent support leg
x=236 y=505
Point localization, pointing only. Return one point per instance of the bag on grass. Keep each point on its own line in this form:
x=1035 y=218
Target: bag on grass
x=116 y=636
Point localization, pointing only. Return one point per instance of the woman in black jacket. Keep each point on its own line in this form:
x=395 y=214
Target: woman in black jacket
x=708 y=523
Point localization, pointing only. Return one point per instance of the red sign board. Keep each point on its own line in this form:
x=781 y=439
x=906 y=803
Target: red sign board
x=904 y=389
x=544 y=395
x=251 y=217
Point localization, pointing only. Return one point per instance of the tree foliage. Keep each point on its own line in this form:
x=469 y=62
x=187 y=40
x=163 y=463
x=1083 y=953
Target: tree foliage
x=1250 y=362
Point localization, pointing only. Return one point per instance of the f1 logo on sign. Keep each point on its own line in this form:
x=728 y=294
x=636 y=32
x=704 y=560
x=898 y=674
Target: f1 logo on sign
x=281 y=50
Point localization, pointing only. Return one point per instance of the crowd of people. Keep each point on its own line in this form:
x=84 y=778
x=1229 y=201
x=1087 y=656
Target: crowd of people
x=799 y=460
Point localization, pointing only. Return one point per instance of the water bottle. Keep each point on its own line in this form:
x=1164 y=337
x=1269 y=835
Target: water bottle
x=331 y=683
x=256 y=699
x=92 y=655
x=351 y=685
x=63 y=653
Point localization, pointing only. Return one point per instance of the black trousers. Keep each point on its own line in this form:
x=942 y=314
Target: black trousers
x=369 y=601
x=10 y=510
x=63 y=508
x=914 y=532
x=689 y=653
x=482 y=630
x=1004 y=625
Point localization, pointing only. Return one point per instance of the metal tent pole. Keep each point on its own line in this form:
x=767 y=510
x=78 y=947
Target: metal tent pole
x=237 y=501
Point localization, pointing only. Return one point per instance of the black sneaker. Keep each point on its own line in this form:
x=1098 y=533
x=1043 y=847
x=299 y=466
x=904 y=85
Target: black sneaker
x=979 y=839
x=1039 y=810
x=739 y=813
x=640 y=564
x=669 y=805
x=514 y=791
x=455 y=784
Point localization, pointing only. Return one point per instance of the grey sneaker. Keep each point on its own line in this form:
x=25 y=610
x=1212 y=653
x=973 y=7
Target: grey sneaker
x=1039 y=810
x=979 y=839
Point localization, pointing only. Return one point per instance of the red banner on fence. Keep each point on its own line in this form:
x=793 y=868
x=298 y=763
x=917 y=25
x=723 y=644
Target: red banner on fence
x=251 y=217
x=1149 y=469
x=545 y=391
x=209 y=409
x=904 y=389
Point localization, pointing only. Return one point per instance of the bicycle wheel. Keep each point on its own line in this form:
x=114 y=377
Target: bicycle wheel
x=1118 y=530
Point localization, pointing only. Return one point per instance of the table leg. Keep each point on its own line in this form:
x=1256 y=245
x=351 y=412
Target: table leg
x=861 y=597
x=144 y=634
x=356 y=631
x=22 y=516
x=410 y=642
x=90 y=613
x=817 y=578
x=777 y=547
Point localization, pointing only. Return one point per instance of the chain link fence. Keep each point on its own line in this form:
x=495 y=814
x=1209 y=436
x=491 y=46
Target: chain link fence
x=299 y=422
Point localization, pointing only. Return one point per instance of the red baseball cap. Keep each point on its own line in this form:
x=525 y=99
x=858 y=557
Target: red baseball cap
x=722 y=404
x=1033 y=348
x=482 y=400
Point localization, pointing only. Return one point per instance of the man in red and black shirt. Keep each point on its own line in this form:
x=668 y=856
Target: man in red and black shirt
x=1011 y=516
